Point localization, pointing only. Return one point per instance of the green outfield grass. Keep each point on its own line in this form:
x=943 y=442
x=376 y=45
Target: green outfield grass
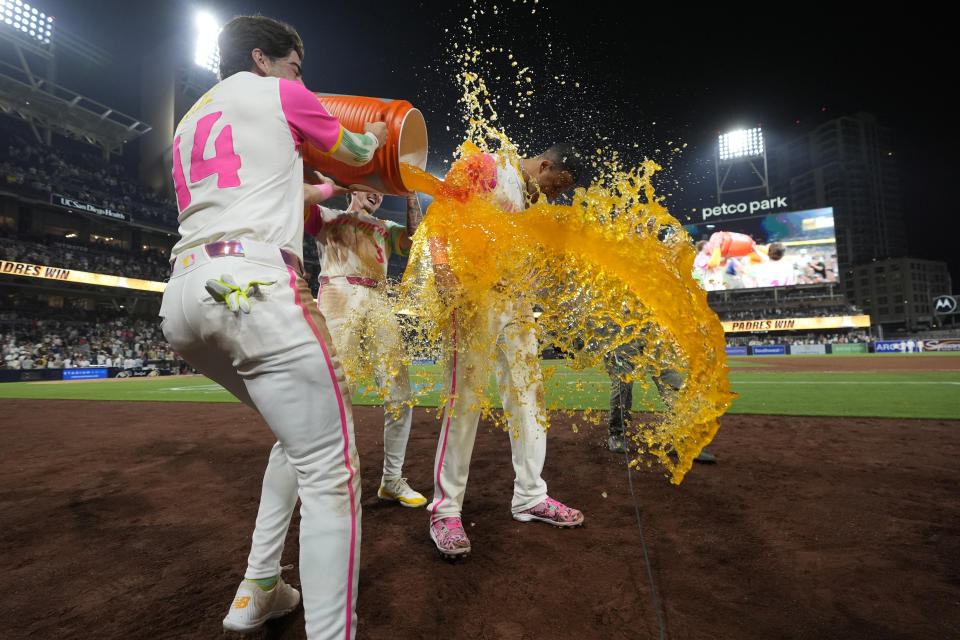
x=888 y=395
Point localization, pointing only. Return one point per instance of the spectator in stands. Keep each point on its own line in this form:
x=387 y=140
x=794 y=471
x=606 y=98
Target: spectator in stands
x=68 y=340
x=84 y=177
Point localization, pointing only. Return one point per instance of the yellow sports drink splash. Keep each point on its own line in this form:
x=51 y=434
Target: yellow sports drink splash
x=612 y=269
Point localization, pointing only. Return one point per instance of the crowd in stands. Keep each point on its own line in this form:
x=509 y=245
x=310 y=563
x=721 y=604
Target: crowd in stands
x=797 y=311
x=753 y=340
x=36 y=170
x=95 y=257
x=83 y=339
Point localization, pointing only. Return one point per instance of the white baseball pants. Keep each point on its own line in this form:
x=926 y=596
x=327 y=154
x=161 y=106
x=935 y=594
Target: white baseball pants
x=277 y=360
x=509 y=339
x=362 y=324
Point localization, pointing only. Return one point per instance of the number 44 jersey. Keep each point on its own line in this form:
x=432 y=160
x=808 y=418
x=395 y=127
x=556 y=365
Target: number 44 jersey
x=237 y=170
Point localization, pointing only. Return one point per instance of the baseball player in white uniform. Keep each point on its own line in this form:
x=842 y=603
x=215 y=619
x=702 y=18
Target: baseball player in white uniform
x=509 y=340
x=355 y=248
x=238 y=309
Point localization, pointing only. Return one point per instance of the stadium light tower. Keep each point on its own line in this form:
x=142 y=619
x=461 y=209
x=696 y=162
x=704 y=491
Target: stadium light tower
x=741 y=162
x=26 y=19
x=206 y=53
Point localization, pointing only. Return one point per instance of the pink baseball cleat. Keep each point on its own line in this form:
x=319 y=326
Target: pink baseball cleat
x=551 y=512
x=449 y=536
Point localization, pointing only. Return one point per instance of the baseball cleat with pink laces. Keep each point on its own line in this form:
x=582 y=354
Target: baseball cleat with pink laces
x=551 y=512
x=450 y=538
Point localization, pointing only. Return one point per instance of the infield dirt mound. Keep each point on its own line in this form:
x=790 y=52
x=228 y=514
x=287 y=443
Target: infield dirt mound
x=132 y=520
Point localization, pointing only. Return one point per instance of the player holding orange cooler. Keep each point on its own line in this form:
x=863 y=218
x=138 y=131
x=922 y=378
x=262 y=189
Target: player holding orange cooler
x=238 y=309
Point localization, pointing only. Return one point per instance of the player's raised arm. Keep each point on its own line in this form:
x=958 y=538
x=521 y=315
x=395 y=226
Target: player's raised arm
x=414 y=218
x=309 y=121
x=326 y=188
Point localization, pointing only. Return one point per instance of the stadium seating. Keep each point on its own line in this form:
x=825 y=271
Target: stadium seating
x=94 y=257
x=30 y=169
x=47 y=338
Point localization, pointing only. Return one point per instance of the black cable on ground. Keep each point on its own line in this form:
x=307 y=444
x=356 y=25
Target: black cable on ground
x=643 y=545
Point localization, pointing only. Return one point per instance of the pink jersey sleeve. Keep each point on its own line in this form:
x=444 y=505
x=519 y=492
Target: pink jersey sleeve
x=307 y=118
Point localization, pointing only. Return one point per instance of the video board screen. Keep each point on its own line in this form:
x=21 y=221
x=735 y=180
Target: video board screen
x=776 y=250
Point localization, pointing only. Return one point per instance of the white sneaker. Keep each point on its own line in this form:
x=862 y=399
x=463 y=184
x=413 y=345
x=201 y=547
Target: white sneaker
x=398 y=490
x=252 y=606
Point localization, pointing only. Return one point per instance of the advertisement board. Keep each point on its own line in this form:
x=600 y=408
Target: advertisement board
x=848 y=347
x=773 y=250
x=9 y=268
x=808 y=349
x=78 y=205
x=86 y=373
x=898 y=346
x=944 y=305
x=769 y=350
x=941 y=345
x=796 y=324
x=736 y=351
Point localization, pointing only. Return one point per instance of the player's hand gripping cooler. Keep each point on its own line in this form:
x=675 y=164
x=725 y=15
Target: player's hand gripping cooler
x=406 y=143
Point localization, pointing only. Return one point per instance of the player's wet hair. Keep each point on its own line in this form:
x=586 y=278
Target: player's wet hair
x=776 y=250
x=243 y=34
x=564 y=157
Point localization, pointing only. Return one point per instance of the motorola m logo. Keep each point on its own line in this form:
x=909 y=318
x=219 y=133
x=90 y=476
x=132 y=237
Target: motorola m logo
x=944 y=305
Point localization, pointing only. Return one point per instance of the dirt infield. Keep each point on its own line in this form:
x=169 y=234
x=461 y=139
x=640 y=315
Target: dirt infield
x=132 y=520
x=844 y=364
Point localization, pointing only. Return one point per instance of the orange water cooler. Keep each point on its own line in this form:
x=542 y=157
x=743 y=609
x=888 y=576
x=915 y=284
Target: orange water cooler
x=407 y=142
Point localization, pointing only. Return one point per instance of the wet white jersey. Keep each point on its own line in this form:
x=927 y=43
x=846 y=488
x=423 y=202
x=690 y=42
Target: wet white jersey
x=353 y=243
x=510 y=194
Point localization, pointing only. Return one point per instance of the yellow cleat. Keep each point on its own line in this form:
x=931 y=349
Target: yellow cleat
x=397 y=490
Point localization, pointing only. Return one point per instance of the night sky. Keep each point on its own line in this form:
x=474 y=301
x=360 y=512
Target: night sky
x=649 y=80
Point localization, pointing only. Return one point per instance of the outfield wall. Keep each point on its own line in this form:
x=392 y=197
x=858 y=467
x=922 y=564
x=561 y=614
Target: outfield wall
x=797 y=349
x=908 y=345
x=82 y=373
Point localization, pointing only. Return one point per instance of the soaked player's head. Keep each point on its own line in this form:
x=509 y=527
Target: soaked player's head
x=369 y=201
x=261 y=45
x=556 y=170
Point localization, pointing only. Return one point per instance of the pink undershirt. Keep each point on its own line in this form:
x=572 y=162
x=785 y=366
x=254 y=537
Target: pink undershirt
x=308 y=119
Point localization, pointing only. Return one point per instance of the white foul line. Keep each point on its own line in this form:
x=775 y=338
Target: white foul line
x=832 y=382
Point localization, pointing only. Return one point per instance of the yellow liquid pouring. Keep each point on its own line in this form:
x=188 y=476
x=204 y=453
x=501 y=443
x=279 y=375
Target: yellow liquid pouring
x=612 y=269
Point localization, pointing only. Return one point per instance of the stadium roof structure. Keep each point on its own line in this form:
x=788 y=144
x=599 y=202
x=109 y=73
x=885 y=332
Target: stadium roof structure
x=48 y=106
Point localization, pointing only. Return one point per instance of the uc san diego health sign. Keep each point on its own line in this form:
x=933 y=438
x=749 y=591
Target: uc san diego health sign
x=77 y=205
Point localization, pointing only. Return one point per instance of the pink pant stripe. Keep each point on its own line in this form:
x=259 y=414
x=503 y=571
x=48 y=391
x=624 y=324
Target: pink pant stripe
x=446 y=428
x=346 y=444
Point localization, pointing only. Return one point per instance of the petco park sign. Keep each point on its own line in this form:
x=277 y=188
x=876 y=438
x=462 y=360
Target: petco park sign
x=741 y=208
